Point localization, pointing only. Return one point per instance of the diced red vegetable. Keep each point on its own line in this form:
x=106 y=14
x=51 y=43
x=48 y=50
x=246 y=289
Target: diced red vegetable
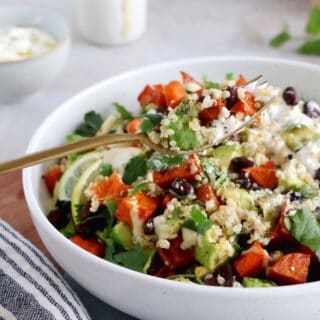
x=167 y=198
x=187 y=79
x=187 y=170
x=175 y=257
x=174 y=92
x=145 y=205
x=206 y=193
x=292 y=268
x=281 y=235
x=111 y=188
x=264 y=175
x=252 y=262
x=134 y=125
x=241 y=81
x=245 y=105
x=164 y=272
x=90 y=245
x=52 y=177
x=152 y=94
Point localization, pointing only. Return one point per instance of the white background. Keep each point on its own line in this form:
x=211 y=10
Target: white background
x=176 y=29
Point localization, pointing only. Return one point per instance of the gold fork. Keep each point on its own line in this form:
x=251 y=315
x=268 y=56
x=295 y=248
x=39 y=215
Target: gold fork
x=99 y=141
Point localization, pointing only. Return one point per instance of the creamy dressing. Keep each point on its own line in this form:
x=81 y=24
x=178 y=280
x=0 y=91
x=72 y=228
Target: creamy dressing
x=21 y=43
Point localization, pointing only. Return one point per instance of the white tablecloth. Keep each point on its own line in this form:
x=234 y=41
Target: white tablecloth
x=176 y=29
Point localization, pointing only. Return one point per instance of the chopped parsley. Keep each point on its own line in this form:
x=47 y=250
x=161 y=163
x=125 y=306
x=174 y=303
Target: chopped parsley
x=124 y=113
x=136 y=167
x=91 y=124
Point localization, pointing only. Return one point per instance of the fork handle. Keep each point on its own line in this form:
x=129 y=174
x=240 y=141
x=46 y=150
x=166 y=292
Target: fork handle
x=58 y=152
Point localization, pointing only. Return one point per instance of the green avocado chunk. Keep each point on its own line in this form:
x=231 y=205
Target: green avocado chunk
x=240 y=196
x=225 y=153
x=213 y=255
x=297 y=137
x=122 y=235
x=257 y=283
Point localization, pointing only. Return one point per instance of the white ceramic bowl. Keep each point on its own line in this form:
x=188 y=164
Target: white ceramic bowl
x=144 y=296
x=21 y=79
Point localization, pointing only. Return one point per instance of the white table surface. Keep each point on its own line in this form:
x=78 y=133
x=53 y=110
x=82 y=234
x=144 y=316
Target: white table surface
x=176 y=29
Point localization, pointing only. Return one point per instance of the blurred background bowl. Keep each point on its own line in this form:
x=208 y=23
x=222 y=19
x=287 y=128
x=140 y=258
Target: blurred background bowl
x=20 y=79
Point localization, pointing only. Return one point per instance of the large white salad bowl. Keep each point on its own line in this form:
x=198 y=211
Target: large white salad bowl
x=144 y=296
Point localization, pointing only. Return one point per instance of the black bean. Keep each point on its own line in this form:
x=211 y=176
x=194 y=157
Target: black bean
x=200 y=97
x=290 y=96
x=243 y=183
x=85 y=210
x=228 y=273
x=311 y=109
x=181 y=187
x=290 y=156
x=295 y=196
x=211 y=281
x=233 y=96
x=58 y=218
x=148 y=227
x=239 y=163
x=317 y=174
x=243 y=241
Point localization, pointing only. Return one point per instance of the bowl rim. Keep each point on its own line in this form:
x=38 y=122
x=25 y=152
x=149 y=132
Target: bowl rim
x=66 y=38
x=37 y=212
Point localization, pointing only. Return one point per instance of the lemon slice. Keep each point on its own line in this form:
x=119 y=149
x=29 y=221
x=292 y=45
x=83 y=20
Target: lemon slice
x=72 y=175
x=78 y=197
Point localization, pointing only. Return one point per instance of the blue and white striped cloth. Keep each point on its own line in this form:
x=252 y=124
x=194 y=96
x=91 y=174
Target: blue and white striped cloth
x=30 y=286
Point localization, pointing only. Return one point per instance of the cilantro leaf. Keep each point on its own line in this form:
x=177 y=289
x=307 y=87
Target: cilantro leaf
x=136 y=167
x=63 y=206
x=280 y=39
x=230 y=76
x=124 y=113
x=313 y=24
x=140 y=187
x=311 y=47
x=106 y=169
x=198 y=222
x=110 y=250
x=112 y=206
x=209 y=84
x=305 y=228
x=134 y=259
x=161 y=162
x=150 y=121
x=69 y=230
x=91 y=124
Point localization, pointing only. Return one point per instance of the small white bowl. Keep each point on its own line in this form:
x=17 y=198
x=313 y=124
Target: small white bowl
x=144 y=296
x=20 y=79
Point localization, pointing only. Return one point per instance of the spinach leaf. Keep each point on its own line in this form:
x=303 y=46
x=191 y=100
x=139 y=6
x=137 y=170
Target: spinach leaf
x=305 y=228
x=136 y=167
x=124 y=113
x=161 y=162
x=91 y=124
x=313 y=24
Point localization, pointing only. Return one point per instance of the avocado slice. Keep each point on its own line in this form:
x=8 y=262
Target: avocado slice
x=213 y=255
x=257 y=283
x=225 y=153
x=296 y=137
x=240 y=196
x=122 y=235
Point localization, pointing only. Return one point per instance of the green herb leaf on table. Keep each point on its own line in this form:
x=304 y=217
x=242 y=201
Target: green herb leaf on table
x=198 y=222
x=161 y=162
x=313 y=24
x=124 y=113
x=136 y=167
x=91 y=124
x=280 y=39
x=150 y=121
x=134 y=259
x=106 y=169
x=305 y=228
x=311 y=47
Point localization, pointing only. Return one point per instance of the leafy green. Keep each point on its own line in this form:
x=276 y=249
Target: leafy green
x=124 y=113
x=69 y=230
x=257 y=283
x=161 y=162
x=63 y=206
x=280 y=39
x=150 y=121
x=91 y=124
x=305 y=228
x=209 y=84
x=313 y=24
x=112 y=207
x=198 y=222
x=70 y=139
x=306 y=191
x=134 y=259
x=140 y=187
x=136 y=167
x=230 y=76
x=311 y=47
x=209 y=168
x=106 y=169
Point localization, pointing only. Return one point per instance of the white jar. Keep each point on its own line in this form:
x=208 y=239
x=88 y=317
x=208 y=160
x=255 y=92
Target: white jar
x=111 y=22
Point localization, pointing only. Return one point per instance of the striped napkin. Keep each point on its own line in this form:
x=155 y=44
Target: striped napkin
x=30 y=286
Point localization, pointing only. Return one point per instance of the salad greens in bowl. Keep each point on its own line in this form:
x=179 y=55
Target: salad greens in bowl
x=223 y=230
